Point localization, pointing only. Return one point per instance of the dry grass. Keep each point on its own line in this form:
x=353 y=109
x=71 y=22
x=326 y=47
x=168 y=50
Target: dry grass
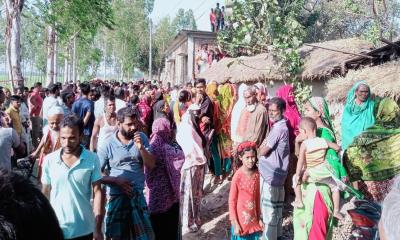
x=384 y=81
x=318 y=63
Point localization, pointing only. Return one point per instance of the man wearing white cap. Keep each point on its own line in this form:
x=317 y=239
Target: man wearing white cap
x=51 y=136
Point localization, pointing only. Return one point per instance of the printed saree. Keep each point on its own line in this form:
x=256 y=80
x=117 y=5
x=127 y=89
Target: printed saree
x=374 y=155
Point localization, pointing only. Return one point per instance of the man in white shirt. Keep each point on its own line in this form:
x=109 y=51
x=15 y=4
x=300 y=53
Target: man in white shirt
x=50 y=102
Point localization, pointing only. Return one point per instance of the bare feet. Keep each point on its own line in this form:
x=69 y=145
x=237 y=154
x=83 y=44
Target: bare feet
x=297 y=204
x=217 y=180
x=338 y=215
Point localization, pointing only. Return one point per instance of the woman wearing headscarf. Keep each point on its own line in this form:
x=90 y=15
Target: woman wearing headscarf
x=146 y=113
x=293 y=118
x=373 y=157
x=215 y=163
x=163 y=181
x=315 y=220
x=192 y=142
x=292 y=114
x=161 y=110
x=226 y=102
x=358 y=113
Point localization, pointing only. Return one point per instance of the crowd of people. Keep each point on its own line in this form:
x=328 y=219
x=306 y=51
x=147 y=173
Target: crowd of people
x=206 y=57
x=133 y=157
x=217 y=18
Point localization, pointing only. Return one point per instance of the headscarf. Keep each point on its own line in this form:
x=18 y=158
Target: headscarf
x=356 y=118
x=236 y=112
x=145 y=109
x=292 y=113
x=158 y=110
x=190 y=140
x=320 y=105
x=163 y=181
x=212 y=90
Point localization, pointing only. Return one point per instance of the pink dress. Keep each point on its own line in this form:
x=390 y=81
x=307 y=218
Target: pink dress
x=244 y=202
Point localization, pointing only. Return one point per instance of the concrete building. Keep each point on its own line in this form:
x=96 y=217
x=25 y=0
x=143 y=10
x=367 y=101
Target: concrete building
x=180 y=56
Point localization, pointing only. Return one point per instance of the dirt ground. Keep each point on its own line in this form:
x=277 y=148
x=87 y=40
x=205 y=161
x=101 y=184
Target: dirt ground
x=215 y=216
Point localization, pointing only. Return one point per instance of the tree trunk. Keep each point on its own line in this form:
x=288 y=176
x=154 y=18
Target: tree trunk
x=55 y=59
x=13 y=9
x=66 y=64
x=74 y=61
x=51 y=41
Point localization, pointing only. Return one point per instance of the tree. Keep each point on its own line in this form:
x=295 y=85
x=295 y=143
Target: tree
x=184 y=20
x=163 y=36
x=74 y=24
x=13 y=9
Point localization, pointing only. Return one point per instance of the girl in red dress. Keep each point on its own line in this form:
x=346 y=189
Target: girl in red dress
x=244 y=196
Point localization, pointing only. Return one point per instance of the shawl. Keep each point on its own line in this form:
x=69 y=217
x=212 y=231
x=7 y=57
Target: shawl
x=237 y=111
x=191 y=142
x=163 y=181
x=212 y=91
x=374 y=155
x=145 y=110
x=292 y=114
x=356 y=118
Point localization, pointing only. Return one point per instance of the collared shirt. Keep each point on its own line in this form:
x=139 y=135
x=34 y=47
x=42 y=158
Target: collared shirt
x=123 y=161
x=71 y=189
x=15 y=119
x=274 y=166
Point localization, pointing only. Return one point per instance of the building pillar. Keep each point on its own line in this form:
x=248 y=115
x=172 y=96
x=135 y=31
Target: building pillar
x=190 y=59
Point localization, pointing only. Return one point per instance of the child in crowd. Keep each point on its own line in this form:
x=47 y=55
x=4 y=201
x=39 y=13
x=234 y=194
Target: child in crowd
x=50 y=141
x=244 y=196
x=312 y=167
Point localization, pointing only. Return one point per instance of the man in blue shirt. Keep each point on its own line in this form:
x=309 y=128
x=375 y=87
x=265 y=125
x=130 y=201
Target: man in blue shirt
x=124 y=157
x=273 y=167
x=70 y=175
x=84 y=109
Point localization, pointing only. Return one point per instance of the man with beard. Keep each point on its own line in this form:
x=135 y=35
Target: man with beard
x=253 y=122
x=70 y=176
x=124 y=156
x=273 y=167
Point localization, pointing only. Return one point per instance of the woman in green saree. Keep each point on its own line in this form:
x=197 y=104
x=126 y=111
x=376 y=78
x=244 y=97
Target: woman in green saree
x=315 y=220
x=373 y=158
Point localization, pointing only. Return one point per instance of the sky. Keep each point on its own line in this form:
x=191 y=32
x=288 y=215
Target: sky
x=201 y=9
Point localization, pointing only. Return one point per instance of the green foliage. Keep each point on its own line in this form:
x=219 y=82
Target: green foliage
x=258 y=23
x=184 y=20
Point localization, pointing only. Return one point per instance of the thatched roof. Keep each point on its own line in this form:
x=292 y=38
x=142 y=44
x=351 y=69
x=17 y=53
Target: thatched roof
x=319 y=63
x=384 y=81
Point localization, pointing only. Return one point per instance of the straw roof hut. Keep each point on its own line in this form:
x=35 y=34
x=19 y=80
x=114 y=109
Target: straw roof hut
x=321 y=61
x=384 y=81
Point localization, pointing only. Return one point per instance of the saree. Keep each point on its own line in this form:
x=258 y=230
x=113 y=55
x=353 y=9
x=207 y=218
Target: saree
x=226 y=102
x=356 y=118
x=315 y=219
x=215 y=163
x=320 y=105
x=374 y=155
